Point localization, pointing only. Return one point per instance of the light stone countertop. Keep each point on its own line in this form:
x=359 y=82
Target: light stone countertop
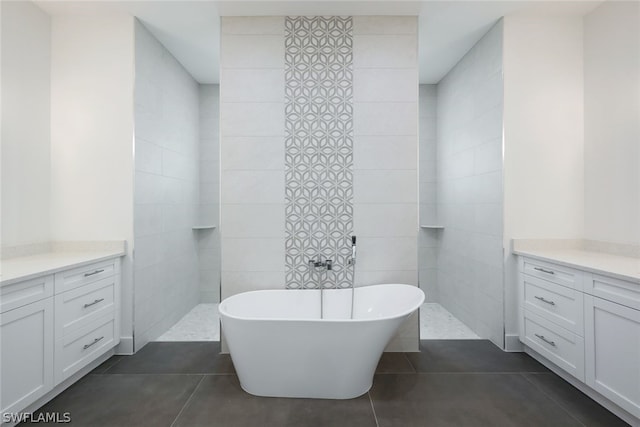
x=621 y=267
x=21 y=268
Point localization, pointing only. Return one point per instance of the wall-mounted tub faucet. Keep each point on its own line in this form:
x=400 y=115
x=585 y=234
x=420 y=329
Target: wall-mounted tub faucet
x=318 y=263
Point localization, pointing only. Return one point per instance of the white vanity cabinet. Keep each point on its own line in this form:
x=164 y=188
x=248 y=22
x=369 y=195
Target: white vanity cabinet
x=612 y=350
x=551 y=302
x=26 y=365
x=54 y=324
x=587 y=324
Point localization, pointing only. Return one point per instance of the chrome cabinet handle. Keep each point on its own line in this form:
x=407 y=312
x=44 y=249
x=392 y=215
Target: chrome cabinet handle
x=544 y=300
x=551 y=343
x=95 y=272
x=543 y=270
x=102 y=299
x=97 y=340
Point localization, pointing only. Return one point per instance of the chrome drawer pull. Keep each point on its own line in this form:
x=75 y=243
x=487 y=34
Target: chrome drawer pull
x=551 y=343
x=95 y=272
x=97 y=340
x=544 y=300
x=102 y=299
x=543 y=270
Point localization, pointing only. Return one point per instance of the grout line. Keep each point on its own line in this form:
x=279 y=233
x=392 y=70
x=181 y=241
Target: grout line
x=109 y=368
x=415 y=367
x=373 y=409
x=415 y=371
x=188 y=400
x=551 y=398
x=480 y=373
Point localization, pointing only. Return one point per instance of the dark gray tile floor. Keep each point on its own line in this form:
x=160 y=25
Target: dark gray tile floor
x=449 y=383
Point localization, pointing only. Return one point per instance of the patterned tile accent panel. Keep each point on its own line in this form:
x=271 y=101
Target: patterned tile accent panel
x=318 y=149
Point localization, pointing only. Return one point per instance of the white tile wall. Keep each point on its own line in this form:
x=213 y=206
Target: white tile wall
x=385 y=186
x=252 y=154
x=385 y=85
x=373 y=220
x=469 y=258
x=386 y=156
x=253 y=85
x=251 y=118
x=251 y=51
x=209 y=240
x=385 y=25
x=384 y=152
x=252 y=186
x=166 y=189
x=386 y=118
x=385 y=51
x=257 y=25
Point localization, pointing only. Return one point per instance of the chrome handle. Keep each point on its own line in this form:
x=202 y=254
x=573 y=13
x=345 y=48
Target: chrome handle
x=97 y=340
x=543 y=270
x=551 y=343
x=544 y=300
x=95 y=272
x=93 y=303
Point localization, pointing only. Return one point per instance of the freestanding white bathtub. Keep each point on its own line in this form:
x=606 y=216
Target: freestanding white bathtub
x=281 y=347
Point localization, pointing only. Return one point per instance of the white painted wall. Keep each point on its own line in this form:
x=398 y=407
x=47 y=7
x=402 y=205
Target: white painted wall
x=166 y=199
x=543 y=136
x=92 y=136
x=612 y=123
x=469 y=188
x=26 y=140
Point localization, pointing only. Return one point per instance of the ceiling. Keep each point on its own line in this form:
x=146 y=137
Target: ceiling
x=190 y=29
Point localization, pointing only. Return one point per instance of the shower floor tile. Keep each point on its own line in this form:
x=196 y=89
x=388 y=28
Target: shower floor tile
x=436 y=323
x=202 y=323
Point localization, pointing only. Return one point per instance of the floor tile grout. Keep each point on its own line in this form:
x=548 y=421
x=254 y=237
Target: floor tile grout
x=460 y=373
x=560 y=405
x=187 y=402
x=406 y=357
x=373 y=408
x=172 y=373
x=116 y=362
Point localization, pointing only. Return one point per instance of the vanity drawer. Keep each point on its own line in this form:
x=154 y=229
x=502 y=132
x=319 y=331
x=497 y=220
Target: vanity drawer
x=615 y=290
x=555 y=273
x=76 y=308
x=71 y=279
x=78 y=349
x=560 y=346
x=25 y=292
x=562 y=306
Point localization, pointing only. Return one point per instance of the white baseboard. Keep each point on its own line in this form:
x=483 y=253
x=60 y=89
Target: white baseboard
x=512 y=343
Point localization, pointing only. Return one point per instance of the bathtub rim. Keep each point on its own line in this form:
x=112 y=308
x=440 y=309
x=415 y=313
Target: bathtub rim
x=284 y=319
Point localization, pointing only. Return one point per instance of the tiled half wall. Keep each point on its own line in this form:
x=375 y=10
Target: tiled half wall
x=319 y=140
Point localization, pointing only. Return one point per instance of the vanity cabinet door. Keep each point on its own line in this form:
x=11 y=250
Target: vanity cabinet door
x=26 y=362
x=612 y=344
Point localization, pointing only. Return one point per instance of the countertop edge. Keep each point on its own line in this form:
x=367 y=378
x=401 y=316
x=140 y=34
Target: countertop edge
x=103 y=256
x=585 y=267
